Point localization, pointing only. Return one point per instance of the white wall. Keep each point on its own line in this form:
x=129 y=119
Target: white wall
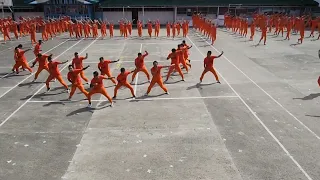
x=115 y=16
x=163 y=16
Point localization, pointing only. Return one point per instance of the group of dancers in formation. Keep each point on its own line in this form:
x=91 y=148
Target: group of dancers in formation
x=85 y=28
x=278 y=23
x=179 y=59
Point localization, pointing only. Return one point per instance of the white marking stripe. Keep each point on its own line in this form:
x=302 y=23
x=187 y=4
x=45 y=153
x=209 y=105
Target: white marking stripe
x=44 y=84
x=259 y=120
x=285 y=109
x=138 y=99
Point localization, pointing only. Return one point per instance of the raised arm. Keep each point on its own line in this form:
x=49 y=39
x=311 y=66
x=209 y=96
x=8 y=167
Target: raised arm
x=115 y=61
x=220 y=54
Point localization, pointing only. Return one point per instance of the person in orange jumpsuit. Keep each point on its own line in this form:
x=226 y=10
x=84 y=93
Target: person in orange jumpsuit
x=14 y=27
x=121 y=27
x=208 y=66
x=74 y=79
x=314 y=24
x=103 y=66
x=289 y=28
x=184 y=29
x=302 y=30
x=157 y=28
x=157 y=78
x=103 y=29
x=98 y=87
x=139 y=26
x=168 y=26
x=122 y=81
x=111 y=29
x=186 y=52
x=6 y=31
x=43 y=64
x=125 y=30
x=139 y=63
x=175 y=64
x=263 y=32
x=129 y=27
x=173 y=30
x=54 y=73
x=181 y=51
x=37 y=48
x=150 y=28
x=33 y=33
x=21 y=59
x=77 y=64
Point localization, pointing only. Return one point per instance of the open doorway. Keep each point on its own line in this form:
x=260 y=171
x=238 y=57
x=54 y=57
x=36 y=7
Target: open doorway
x=135 y=15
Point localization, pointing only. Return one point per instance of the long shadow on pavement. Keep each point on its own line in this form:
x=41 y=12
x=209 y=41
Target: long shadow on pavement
x=310 y=96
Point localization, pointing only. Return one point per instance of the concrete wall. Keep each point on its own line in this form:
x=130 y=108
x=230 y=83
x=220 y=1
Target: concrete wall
x=28 y=14
x=163 y=16
x=115 y=16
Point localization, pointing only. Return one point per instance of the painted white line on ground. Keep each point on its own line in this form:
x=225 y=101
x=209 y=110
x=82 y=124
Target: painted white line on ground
x=44 y=84
x=139 y=99
x=259 y=120
x=277 y=102
x=35 y=72
x=35 y=58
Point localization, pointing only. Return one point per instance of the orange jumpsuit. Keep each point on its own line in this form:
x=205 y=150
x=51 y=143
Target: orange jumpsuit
x=73 y=77
x=122 y=81
x=77 y=64
x=105 y=70
x=208 y=66
x=156 y=78
x=139 y=62
x=21 y=61
x=37 y=49
x=98 y=87
x=175 y=62
x=43 y=64
x=55 y=74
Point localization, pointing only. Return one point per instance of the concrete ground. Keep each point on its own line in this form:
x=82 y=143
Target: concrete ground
x=260 y=123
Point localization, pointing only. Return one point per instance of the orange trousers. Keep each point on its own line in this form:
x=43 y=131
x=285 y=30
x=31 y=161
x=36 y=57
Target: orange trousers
x=83 y=77
x=39 y=71
x=108 y=73
x=126 y=84
x=58 y=77
x=100 y=90
x=207 y=69
x=23 y=64
x=159 y=82
x=143 y=69
x=80 y=87
x=177 y=68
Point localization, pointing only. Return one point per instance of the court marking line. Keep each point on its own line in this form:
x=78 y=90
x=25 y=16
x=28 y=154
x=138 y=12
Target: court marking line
x=259 y=120
x=35 y=58
x=137 y=99
x=274 y=100
x=22 y=105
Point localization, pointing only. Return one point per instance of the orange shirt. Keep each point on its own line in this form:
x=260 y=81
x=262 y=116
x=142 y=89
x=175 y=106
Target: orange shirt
x=104 y=66
x=156 y=72
x=21 y=56
x=74 y=77
x=98 y=82
x=77 y=62
x=180 y=53
x=122 y=78
x=53 y=68
x=208 y=61
x=37 y=49
x=42 y=61
x=139 y=62
x=174 y=58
